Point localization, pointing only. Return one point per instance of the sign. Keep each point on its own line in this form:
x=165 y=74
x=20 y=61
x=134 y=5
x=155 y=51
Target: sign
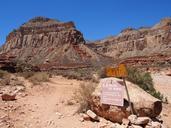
x=112 y=92
x=119 y=71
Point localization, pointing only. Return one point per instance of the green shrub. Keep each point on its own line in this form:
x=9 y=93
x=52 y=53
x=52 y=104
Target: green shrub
x=157 y=94
x=144 y=81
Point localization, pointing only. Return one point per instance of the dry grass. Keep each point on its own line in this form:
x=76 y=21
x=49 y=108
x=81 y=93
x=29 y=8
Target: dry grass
x=4 y=78
x=7 y=79
x=3 y=73
x=35 y=77
x=26 y=75
x=39 y=77
x=79 y=74
x=83 y=95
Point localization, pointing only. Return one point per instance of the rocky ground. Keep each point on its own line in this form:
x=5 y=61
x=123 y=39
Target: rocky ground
x=51 y=105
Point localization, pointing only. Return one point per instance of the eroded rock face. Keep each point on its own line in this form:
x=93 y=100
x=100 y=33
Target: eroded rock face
x=143 y=104
x=6 y=62
x=137 y=42
x=49 y=43
x=147 y=61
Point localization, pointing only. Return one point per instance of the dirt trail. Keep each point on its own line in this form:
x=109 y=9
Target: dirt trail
x=48 y=106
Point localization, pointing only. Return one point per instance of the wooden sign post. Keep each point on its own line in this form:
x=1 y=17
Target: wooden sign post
x=121 y=72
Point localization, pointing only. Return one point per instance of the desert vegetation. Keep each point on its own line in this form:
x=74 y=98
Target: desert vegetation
x=8 y=79
x=39 y=77
x=144 y=81
x=4 y=78
x=36 y=77
x=83 y=95
x=22 y=66
x=2 y=73
x=79 y=74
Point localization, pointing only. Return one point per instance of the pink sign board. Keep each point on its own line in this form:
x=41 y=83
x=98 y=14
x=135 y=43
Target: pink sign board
x=112 y=92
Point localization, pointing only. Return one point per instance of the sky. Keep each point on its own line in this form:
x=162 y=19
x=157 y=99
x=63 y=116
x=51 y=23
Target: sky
x=96 y=19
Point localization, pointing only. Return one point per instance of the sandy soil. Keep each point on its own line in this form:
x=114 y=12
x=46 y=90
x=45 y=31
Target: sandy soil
x=162 y=83
x=166 y=115
x=45 y=106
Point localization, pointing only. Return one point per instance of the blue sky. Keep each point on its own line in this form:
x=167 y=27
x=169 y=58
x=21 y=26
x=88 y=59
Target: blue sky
x=96 y=19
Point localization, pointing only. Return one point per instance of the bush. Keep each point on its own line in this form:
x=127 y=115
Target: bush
x=36 y=77
x=39 y=77
x=26 y=75
x=83 y=95
x=4 y=78
x=25 y=67
x=3 y=73
x=79 y=74
x=144 y=81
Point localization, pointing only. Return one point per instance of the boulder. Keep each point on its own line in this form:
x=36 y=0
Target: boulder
x=156 y=124
x=132 y=118
x=142 y=120
x=139 y=120
x=116 y=125
x=125 y=121
x=85 y=117
x=143 y=103
x=92 y=115
x=8 y=97
x=135 y=126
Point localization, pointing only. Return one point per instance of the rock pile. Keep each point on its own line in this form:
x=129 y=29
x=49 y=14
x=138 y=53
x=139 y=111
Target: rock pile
x=143 y=103
x=132 y=121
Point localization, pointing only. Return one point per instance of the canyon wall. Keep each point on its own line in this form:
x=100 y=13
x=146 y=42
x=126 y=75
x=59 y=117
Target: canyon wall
x=50 y=43
x=137 y=42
